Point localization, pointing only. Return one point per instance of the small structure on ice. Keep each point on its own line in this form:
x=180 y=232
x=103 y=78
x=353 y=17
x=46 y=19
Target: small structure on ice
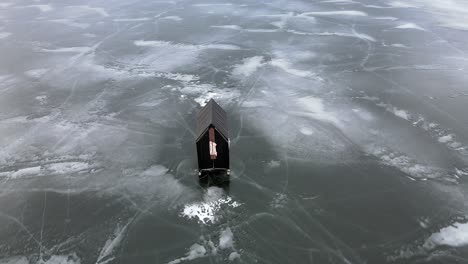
x=212 y=140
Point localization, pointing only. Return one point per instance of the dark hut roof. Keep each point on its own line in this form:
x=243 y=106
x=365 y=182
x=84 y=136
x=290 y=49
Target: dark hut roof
x=212 y=114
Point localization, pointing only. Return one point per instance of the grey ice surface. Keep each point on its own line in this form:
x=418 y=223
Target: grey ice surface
x=348 y=123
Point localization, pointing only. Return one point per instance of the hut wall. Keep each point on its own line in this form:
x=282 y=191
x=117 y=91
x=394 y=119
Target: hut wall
x=203 y=152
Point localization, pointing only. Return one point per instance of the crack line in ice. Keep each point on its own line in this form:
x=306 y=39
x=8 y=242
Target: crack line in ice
x=158 y=44
x=354 y=34
x=417 y=120
x=42 y=224
x=111 y=244
x=19 y=223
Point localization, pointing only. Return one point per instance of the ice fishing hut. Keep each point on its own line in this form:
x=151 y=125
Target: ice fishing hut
x=212 y=140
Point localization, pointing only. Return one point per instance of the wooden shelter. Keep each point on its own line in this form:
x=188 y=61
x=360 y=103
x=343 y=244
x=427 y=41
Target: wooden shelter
x=212 y=139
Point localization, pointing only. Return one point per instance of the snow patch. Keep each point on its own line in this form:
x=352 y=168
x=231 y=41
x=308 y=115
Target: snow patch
x=400 y=4
x=338 y=13
x=190 y=87
x=42 y=99
x=25 y=172
x=400 y=113
x=424 y=222
x=4 y=35
x=212 y=4
x=306 y=131
x=446 y=138
x=219 y=46
x=408 y=165
x=204 y=92
x=226 y=239
x=364 y=115
x=286 y=66
x=248 y=66
x=254 y=103
x=284 y=20
x=36 y=73
x=273 y=164
x=206 y=211
x=260 y=30
x=397 y=45
x=315 y=108
x=68 y=50
x=339 y=1
x=196 y=251
x=279 y=201
x=151 y=43
x=42 y=8
x=54 y=168
x=442 y=135
x=403 y=114
x=184 y=78
x=461 y=172
x=455 y=235
x=205 y=247
x=173 y=18
x=62 y=259
x=233 y=27
x=67 y=167
x=233 y=256
x=297 y=55
x=410 y=26
x=4 y=5
x=386 y=18
x=152 y=184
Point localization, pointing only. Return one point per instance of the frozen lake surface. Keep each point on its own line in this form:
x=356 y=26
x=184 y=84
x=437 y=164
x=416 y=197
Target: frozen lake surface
x=348 y=123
